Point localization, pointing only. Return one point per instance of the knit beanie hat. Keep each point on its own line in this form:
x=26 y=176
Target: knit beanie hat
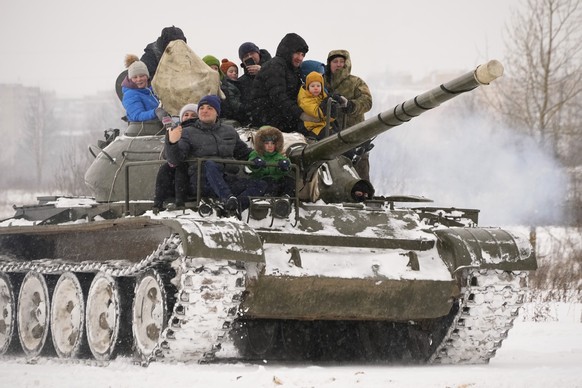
x=246 y=48
x=226 y=64
x=211 y=100
x=135 y=67
x=188 y=107
x=314 y=76
x=211 y=60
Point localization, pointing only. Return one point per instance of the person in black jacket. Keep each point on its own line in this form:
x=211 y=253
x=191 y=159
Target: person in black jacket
x=154 y=51
x=275 y=88
x=208 y=137
x=252 y=59
x=232 y=106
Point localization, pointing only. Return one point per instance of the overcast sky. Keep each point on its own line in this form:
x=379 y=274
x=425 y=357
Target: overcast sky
x=78 y=47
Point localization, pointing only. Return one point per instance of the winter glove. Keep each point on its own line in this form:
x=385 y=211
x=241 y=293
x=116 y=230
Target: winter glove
x=161 y=113
x=341 y=100
x=333 y=110
x=164 y=117
x=259 y=162
x=323 y=105
x=284 y=165
x=305 y=117
x=350 y=107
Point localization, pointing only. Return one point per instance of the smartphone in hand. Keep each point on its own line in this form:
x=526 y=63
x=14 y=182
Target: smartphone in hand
x=249 y=62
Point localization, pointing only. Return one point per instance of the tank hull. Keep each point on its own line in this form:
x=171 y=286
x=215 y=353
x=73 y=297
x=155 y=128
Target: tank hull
x=280 y=274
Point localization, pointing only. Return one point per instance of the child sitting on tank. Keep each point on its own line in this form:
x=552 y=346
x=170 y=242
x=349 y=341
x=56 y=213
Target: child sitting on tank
x=139 y=100
x=172 y=180
x=268 y=149
x=313 y=100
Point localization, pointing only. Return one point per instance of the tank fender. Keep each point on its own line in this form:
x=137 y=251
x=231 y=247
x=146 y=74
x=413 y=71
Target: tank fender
x=487 y=248
x=222 y=239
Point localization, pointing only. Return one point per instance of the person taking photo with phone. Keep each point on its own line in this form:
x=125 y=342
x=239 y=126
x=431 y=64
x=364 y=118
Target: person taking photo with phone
x=252 y=59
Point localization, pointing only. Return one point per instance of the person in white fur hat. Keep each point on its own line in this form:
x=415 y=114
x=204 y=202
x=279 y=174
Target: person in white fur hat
x=172 y=180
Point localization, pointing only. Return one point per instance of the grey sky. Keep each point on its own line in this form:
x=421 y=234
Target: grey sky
x=78 y=47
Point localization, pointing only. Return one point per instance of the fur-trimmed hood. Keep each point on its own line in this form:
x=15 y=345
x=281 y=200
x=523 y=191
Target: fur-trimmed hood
x=268 y=131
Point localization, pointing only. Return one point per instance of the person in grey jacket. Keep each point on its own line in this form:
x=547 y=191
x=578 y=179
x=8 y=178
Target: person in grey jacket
x=208 y=137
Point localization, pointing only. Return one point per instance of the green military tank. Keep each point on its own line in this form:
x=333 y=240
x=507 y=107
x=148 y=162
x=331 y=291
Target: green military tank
x=329 y=279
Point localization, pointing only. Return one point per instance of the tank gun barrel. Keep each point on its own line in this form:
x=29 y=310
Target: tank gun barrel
x=311 y=156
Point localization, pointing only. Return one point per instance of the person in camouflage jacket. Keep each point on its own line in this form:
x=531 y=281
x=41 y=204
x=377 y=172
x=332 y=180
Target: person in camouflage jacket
x=357 y=100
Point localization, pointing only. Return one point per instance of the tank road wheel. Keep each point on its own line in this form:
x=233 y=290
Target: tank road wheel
x=149 y=313
x=68 y=316
x=33 y=313
x=103 y=317
x=7 y=314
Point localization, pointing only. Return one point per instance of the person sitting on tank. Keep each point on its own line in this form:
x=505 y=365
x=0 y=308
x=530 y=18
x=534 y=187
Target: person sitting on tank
x=231 y=107
x=139 y=100
x=229 y=69
x=252 y=59
x=207 y=136
x=313 y=99
x=268 y=144
x=154 y=51
x=275 y=88
x=172 y=180
x=356 y=100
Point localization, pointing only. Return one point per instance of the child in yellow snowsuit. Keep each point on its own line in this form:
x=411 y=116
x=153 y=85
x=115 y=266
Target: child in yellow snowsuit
x=312 y=98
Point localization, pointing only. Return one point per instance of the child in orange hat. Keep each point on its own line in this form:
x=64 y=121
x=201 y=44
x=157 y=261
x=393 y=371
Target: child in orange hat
x=229 y=69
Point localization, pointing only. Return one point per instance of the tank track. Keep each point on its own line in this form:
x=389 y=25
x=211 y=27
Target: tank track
x=210 y=291
x=489 y=304
x=207 y=298
x=207 y=304
x=166 y=252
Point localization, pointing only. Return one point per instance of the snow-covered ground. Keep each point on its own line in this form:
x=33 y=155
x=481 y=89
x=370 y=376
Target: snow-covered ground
x=536 y=354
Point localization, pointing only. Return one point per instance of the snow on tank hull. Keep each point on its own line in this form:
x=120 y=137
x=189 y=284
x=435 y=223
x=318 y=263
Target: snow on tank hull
x=204 y=289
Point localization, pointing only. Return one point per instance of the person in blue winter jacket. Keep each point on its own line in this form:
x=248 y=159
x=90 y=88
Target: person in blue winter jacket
x=139 y=100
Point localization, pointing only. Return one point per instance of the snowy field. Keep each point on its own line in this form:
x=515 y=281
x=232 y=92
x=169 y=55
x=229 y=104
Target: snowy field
x=536 y=354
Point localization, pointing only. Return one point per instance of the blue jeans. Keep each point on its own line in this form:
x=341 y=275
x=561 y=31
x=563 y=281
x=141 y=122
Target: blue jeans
x=223 y=185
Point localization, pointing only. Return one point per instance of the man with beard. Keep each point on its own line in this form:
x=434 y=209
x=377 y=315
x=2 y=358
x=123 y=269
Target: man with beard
x=275 y=88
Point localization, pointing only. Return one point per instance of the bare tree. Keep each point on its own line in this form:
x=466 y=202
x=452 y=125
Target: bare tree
x=541 y=93
x=544 y=69
x=74 y=160
x=38 y=118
